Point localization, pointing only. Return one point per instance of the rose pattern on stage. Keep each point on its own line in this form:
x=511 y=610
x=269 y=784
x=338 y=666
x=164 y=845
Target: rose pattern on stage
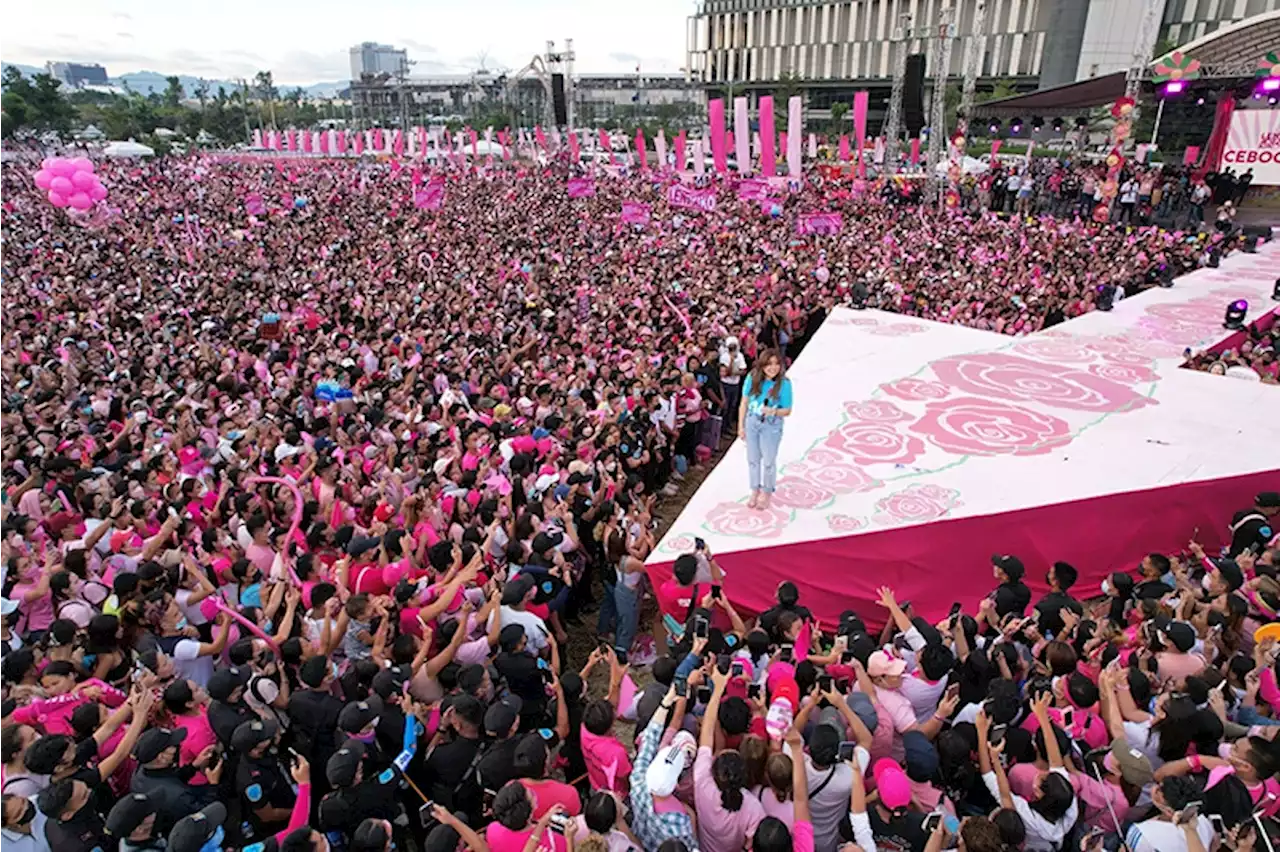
x=899 y=329
x=985 y=427
x=682 y=543
x=800 y=492
x=916 y=390
x=1059 y=350
x=736 y=519
x=844 y=523
x=916 y=503
x=1129 y=374
x=877 y=411
x=994 y=374
x=875 y=443
x=829 y=470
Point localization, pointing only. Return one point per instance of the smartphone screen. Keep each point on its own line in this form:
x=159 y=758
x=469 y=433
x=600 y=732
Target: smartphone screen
x=824 y=683
x=997 y=734
x=715 y=592
x=699 y=544
x=704 y=695
x=736 y=669
x=753 y=691
x=682 y=687
x=846 y=750
x=931 y=822
x=700 y=627
x=425 y=817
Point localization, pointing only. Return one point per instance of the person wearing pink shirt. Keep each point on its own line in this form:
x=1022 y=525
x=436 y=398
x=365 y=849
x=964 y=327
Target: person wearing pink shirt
x=513 y=828
x=187 y=704
x=727 y=816
x=53 y=714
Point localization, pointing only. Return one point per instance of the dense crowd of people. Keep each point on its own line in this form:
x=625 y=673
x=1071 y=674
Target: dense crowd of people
x=304 y=487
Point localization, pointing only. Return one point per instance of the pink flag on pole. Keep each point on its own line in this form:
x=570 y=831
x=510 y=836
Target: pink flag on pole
x=699 y=158
x=728 y=142
x=995 y=146
x=844 y=147
x=342 y=141
x=1191 y=156
x=660 y=145
x=768 y=155
x=475 y=146
x=574 y=153
x=357 y=143
x=642 y=156
x=742 y=135
x=715 y=115
x=324 y=142
x=397 y=145
x=794 y=129
x=915 y=151
x=377 y=139
x=502 y=140
x=606 y=144
x=291 y=140
x=541 y=137
x=679 y=145
x=306 y=142
x=861 y=101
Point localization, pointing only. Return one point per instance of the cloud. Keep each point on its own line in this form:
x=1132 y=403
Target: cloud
x=306 y=67
x=128 y=36
x=628 y=58
x=417 y=46
x=122 y=16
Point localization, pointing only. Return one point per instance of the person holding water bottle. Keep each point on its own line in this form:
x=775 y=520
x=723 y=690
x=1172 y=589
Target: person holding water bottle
x=766 y=395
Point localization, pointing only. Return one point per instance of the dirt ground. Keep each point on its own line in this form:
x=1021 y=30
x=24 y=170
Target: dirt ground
x=583 y=636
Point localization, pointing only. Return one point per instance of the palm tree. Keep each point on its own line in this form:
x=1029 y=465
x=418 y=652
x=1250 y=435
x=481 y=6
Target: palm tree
x=265 y=87
x=839 y=110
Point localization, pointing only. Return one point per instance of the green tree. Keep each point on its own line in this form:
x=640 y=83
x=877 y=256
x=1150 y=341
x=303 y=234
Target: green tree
x=839 y=110
x=172 y=92
x=1005 y=88
x=788 y=87
x=35 y=104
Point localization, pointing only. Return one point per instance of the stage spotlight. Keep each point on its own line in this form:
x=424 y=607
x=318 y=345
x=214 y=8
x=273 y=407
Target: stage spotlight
x=994 y=126
x=1199 y=101
x=1234 y=318
x=1037 y=124
x=1057 y=125
x=1270 y=84
x=1164 y=275
x=1173 y=88
x=1106 y=296
x=1082 y=121
x=1015 y=126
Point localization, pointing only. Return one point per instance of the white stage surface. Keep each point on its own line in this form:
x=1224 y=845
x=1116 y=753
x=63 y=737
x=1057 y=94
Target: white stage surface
x=902 y=424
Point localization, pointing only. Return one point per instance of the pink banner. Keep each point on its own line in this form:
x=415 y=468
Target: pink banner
x=813 y=146
x=635 y=213
x=691 y=199
x=377 y=139
x=575 y=155
x=606 y=144
x=794 y=129
x=660 y=145
x=502 y=140
x=715 y=115
x=753 y=189
x=742 y=136
x=291 y=140
x=679 y=144
x=581 y=187
x=306 y=142
x=995 y=146
x=844 y=148
x=915 y=152
x=342 y=141
x=541 y=137
x=768 y=155
x=819 y=223
x=475 y=144
x=642 y=156
x=357 y=143
x=861 y=100
x=397 y=143
x=1191 y=155
x=429 y=197
x=324 y=141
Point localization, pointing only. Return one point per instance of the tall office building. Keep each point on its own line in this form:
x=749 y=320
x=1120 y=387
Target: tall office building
x=369 y=59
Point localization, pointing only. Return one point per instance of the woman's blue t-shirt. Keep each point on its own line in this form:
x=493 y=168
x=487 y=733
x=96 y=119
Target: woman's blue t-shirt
x=758 y=400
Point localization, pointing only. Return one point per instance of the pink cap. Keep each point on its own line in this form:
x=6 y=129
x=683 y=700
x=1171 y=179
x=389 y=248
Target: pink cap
x=893 y=784
x=880 y=664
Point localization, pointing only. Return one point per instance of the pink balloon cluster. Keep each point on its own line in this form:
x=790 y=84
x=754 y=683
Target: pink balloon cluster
x=70 y=182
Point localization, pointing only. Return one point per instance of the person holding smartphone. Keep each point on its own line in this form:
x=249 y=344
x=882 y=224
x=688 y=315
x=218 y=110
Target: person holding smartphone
x=766 y=396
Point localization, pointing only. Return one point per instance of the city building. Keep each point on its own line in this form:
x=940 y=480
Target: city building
x=826 y=51
x=369 y=59
x=77 y=75
x=598 y=98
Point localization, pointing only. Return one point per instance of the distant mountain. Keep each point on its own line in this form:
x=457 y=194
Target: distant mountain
x=146 y=82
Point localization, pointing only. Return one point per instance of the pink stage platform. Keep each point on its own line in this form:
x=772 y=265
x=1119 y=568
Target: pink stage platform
x=917 y=450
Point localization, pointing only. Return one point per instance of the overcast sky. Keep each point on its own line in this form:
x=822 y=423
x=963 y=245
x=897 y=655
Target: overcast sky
x=305 y=41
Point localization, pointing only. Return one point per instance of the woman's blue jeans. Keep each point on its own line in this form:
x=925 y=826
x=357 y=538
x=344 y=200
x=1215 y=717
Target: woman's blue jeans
x=764 y=434
x=627 y=602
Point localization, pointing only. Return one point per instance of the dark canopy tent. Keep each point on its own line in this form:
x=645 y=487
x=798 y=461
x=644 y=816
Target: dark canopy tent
x=1066 y=100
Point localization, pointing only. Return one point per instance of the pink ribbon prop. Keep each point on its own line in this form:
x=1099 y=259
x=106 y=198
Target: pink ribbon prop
x=246 y=623
x=297 y=514
x=688 y=329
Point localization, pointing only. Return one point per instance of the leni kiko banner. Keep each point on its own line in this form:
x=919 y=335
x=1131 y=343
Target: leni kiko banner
x=1254 y=143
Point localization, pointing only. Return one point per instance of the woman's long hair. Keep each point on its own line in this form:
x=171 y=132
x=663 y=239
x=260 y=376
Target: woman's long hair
x=758 y=378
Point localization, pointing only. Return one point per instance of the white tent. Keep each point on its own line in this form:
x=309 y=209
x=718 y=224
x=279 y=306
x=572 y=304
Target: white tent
x=969 y=165
x=128 y=149
x=90 y=132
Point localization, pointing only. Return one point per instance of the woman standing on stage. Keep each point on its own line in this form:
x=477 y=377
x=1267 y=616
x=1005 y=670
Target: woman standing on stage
x=766 y=396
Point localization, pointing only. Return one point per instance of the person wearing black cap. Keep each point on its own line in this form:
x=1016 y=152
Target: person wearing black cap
x=1061 y=577
x=260 y=781
x=132 y=822
x=522 y=671
x=1252 y=529
x=1177 y=661
x=165 y=783
x=515 y=595
x=227 y=707
x=1012 y=595
x=355 y=796
x=74 y=823
x=788 y=597
x=313 y=712
x=501 y=722
x=457 y=749
x=206 y=828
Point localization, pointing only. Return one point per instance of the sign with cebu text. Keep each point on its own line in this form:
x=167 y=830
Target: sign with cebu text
x=1254 y=143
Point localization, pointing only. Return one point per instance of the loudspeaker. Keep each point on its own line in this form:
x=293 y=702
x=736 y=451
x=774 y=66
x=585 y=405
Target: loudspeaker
x=1261 y=232
x=913 y=95
x=557 y=100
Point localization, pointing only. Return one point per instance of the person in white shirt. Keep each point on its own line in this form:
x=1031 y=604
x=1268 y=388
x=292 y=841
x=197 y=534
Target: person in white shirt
x=733 y=366
x=23 y=825
x=1178 y=828
x=1054 y=811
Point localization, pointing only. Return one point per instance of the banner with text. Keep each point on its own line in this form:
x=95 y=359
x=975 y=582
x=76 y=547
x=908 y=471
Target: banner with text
x=581 y=187
x=1254 y=143
x=819 y=223
x=691 y=199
